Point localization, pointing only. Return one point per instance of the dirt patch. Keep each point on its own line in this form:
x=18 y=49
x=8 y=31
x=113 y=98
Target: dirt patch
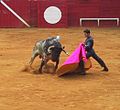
x=95 y=91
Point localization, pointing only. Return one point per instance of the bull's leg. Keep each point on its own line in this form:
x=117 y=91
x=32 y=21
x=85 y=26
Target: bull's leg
x=56 y=66
x=42 y=64
x=34 y=55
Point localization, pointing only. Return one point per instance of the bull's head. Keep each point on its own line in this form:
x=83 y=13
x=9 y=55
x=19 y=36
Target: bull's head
x=55 y=52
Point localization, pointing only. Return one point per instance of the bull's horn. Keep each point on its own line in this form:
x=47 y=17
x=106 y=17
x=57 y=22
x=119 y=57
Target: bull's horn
x=49 y=48
x=65 y=52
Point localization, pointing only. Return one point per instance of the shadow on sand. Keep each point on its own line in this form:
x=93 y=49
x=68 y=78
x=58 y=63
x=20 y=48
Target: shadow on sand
x=89 y=75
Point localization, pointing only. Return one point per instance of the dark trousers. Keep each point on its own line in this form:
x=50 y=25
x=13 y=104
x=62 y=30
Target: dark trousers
x=92 y=54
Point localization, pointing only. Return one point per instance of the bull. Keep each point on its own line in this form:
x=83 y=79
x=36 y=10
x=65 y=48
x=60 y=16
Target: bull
x=49 y=49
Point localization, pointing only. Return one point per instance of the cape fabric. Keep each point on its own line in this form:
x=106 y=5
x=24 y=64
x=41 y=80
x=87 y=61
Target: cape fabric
x=72 y=62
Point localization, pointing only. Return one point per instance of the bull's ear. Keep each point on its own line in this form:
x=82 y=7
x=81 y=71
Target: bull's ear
x=63 y=47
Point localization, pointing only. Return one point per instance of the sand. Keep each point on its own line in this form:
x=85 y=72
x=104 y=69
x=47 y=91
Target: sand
x=24 y=90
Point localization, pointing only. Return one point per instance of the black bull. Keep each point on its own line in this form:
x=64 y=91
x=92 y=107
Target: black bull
x=54 y=56
x=53 y=53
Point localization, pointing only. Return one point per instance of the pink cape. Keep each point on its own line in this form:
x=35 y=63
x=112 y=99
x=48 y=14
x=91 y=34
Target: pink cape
x=72 y=62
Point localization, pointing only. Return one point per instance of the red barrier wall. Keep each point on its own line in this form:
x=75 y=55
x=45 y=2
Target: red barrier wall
x=32 y=11
x=21 y=7
x=43 y=5
x=92 y=8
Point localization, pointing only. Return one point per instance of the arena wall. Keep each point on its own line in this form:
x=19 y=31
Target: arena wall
x=21 y=7
x=44 y=5
x=32 y=11
x=93 y=9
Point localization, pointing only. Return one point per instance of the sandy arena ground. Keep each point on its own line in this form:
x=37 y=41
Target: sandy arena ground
x=26 y=91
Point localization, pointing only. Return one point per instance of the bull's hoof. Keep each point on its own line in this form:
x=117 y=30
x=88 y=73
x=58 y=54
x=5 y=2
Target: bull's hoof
x=49 y=68
x=37 y=72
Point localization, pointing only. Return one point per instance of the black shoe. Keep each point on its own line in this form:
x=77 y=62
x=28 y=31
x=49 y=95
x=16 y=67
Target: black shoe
x=105 y=69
